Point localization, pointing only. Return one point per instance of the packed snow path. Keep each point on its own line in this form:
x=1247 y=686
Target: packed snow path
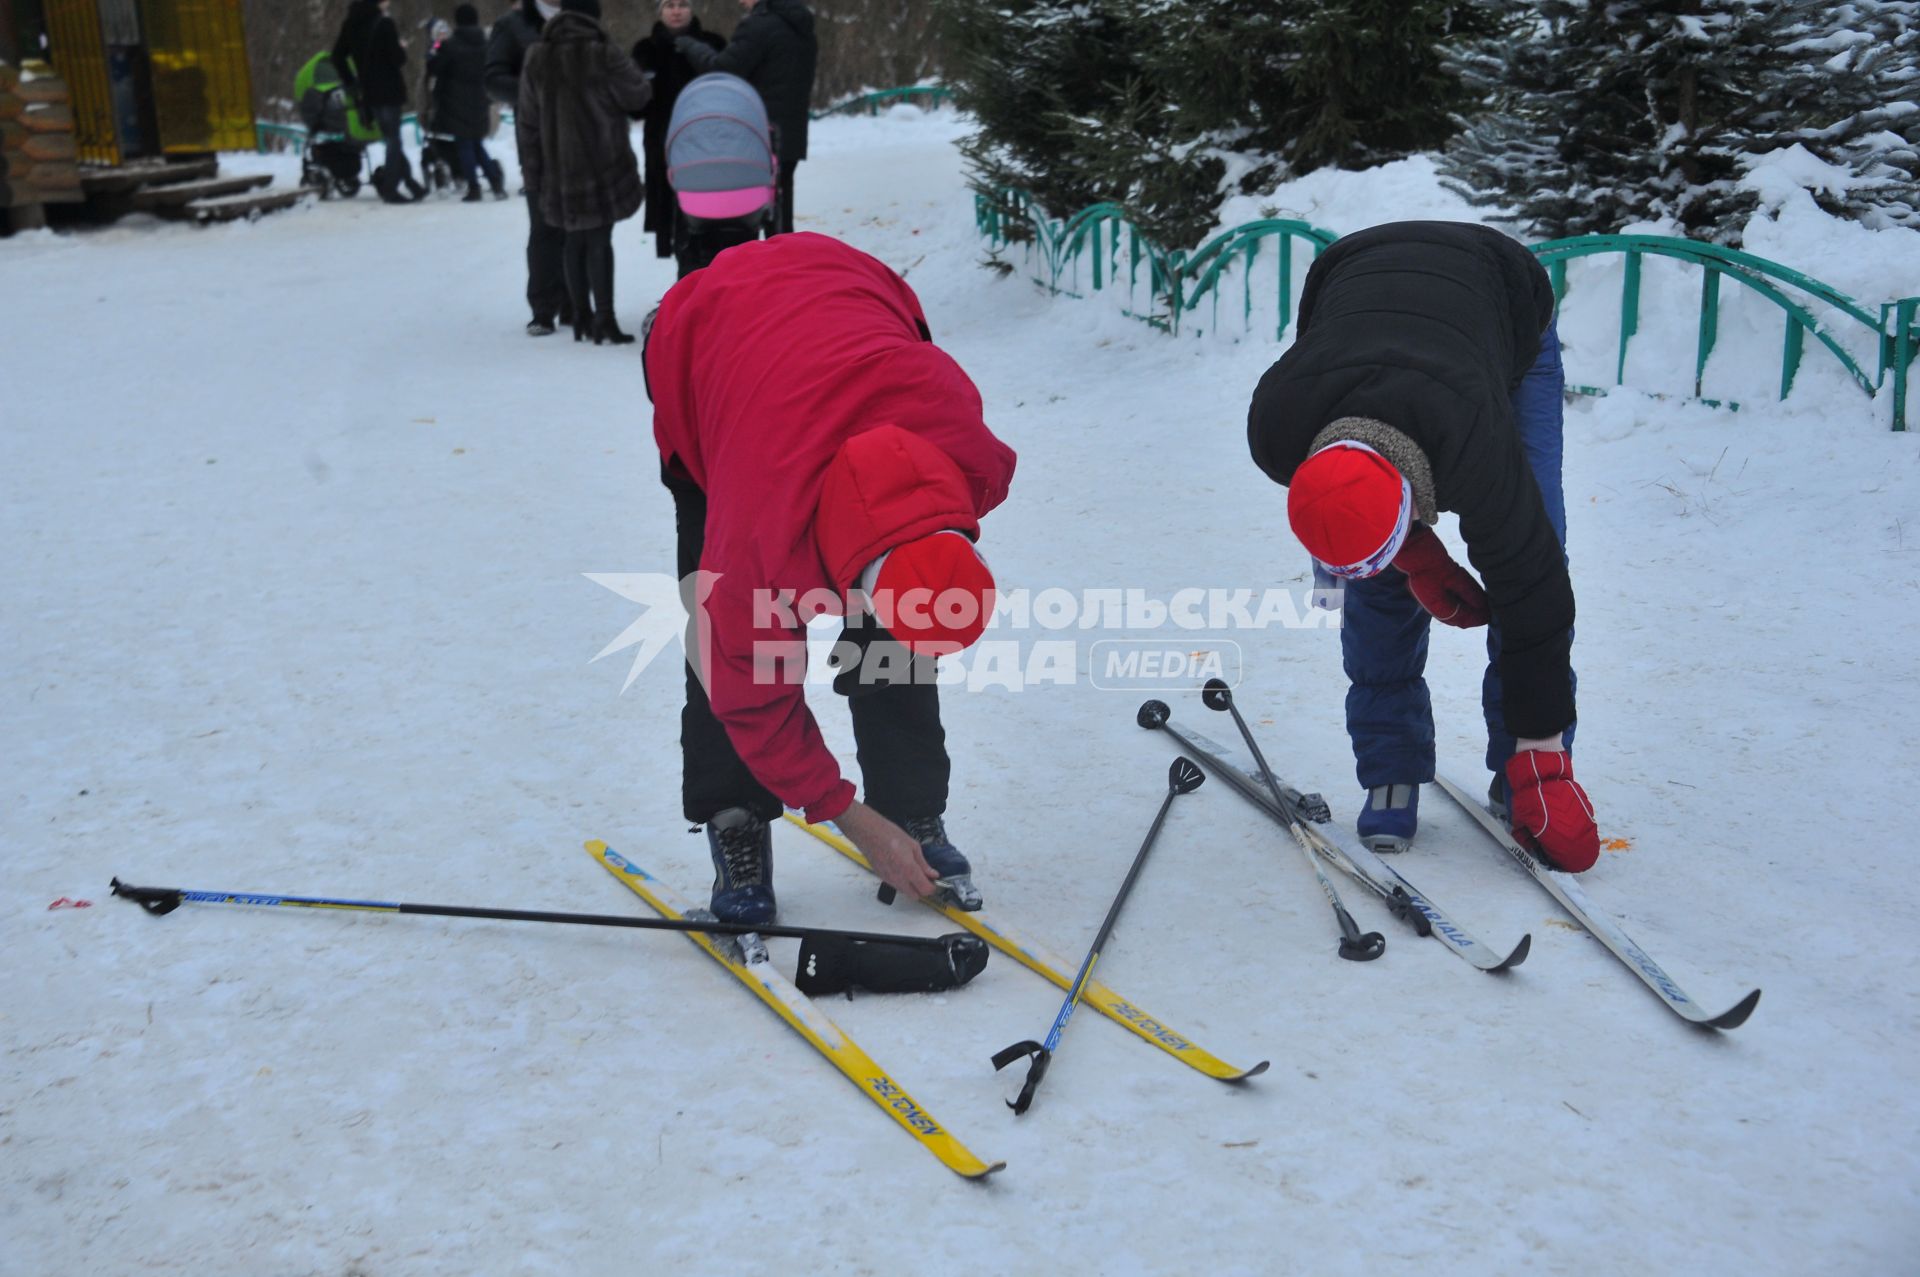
x=296 y=522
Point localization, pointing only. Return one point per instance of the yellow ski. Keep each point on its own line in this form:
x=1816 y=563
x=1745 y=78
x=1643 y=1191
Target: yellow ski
x=1037 y=959
x=799 y=1011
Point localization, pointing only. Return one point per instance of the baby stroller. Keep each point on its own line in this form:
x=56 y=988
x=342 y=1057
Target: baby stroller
x=337 y=136
x=722 y=167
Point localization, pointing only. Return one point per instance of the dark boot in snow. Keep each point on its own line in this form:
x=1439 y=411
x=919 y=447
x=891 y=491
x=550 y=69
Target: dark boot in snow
x=1390 y=818
x=605 y=330
x=473 y=194
x=741 y=845
x=955 y=874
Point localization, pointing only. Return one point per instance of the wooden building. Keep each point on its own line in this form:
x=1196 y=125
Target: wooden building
x=148 y=78
x=154 y=88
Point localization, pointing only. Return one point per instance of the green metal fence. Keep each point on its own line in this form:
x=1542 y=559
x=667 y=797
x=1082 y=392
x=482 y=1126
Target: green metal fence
x=1178 y=283
x=926 y=95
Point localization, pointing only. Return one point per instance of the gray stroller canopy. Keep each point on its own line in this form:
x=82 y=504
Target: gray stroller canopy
x=718 y=139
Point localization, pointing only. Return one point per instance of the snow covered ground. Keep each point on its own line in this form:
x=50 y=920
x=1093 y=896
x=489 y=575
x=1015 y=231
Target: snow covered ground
x=296 y=522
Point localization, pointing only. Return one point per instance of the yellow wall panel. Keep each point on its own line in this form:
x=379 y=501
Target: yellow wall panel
x=79 y=55
x=202 y=91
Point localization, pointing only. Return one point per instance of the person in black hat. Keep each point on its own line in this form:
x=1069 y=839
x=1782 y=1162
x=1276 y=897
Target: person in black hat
x=459 y=70
x=775 y=51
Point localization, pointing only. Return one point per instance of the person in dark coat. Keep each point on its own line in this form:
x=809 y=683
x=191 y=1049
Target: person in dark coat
x=515 y=32
x=459 y=71
x=667 y=71
x=368 y=56
x=577 y=91
x=1426 y=376
x=774 y=50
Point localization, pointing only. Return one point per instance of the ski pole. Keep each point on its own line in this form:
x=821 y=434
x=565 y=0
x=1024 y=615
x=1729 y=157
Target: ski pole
x=1355 y=946
x=850 y=953
x=1182 y=778
x=1216 y=695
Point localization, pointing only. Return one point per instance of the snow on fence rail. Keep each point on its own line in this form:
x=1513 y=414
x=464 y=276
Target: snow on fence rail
x=927 y=95
x=1069 y=255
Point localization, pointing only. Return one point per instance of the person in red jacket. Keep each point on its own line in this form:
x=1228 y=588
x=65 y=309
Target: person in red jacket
x=819 y=446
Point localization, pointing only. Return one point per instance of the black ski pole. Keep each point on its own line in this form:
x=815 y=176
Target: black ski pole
x=1182 y=778
x=843 y=959
x=1216 y=695
x=1355 y=946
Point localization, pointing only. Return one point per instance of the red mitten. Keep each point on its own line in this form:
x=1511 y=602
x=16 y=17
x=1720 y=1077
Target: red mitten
x=1447 y=590
x=1549 y=810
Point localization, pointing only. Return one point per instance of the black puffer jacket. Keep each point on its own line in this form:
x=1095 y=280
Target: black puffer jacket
x=668 y=72
x=514 y=32
x=458 y=69
x=368 y=55
x=774 y=50
x=1428 y=327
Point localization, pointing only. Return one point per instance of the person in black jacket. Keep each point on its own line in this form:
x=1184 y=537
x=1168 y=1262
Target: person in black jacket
x=668 y=71
x=368 y=56
x=458 y=68
x=774 y=50
x=515 y=32
x=1425 y=377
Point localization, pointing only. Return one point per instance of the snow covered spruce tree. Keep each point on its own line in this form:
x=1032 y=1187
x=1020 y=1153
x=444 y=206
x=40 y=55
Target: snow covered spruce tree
x=1036 y=74
x=1166 y=107
x=1652 y=110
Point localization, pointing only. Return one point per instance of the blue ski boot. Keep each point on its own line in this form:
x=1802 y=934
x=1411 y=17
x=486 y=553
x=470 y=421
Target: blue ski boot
x=1390 y=818
x=955 y=886
x=741 y=845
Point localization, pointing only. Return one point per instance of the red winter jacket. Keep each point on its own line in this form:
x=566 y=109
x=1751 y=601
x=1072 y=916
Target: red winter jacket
x=791 y=368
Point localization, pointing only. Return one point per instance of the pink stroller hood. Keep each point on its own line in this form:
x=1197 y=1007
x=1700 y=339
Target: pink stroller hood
x=719 y=205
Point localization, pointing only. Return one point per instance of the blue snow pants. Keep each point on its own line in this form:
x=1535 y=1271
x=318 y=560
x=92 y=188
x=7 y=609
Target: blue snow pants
x=1383 y=635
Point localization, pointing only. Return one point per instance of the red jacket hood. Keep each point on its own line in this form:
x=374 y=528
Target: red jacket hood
x=884 y=488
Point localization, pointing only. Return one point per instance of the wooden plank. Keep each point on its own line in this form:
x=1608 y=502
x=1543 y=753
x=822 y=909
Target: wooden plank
x=49 y=146
x=157 y=197
x=233 y=208
x=48 y=117
x=18 y=190
x=39 y=86
x=124 y=179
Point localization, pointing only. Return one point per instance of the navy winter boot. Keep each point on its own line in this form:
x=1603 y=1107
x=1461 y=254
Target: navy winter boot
x=1497 y=798
x=1390 y=818
x=956 y=875
x=741 y=845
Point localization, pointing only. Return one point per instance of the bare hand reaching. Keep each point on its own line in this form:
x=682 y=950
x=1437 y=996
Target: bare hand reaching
x=892 y=852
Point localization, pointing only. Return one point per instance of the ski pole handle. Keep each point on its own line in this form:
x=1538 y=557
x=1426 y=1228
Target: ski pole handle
x=1035 y=1072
